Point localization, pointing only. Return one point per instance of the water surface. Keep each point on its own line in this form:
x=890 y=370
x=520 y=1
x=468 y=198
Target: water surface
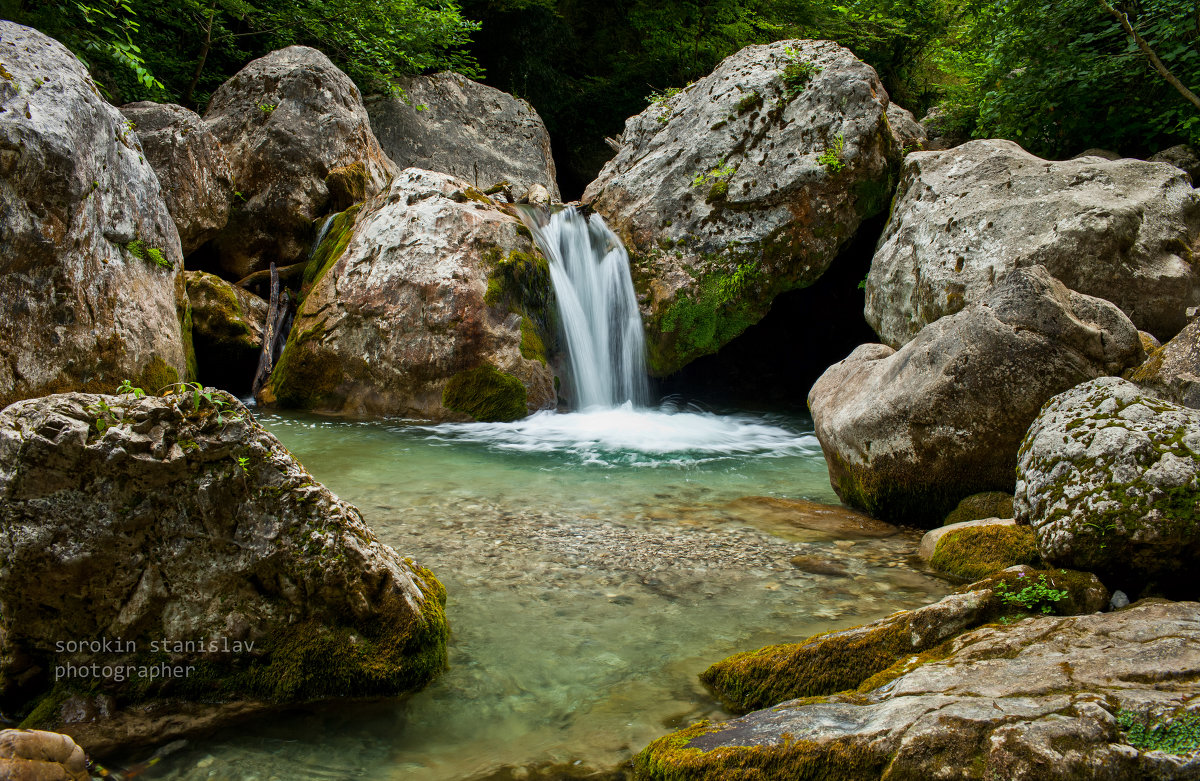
x=595 y=563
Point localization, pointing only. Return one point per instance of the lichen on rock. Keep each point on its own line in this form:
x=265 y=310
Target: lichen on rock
x=1109 y=479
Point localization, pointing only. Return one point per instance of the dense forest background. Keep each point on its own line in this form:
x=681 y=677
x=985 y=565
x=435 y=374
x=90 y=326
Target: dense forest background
x=1057 y=76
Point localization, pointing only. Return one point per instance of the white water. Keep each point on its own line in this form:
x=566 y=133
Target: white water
x=597 y=308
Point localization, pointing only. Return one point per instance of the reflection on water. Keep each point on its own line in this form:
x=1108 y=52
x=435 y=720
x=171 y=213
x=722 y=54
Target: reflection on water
x=595 y=563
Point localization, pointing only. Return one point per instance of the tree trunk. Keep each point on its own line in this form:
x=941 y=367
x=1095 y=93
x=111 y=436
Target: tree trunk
x=204 y=49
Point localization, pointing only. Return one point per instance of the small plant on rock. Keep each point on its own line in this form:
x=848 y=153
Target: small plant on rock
x=662 y=98
x=797 y=73
x=139 y=249
x=1036 y=596
x=717 y=180
x=267 y=108
x=1179 y=735
x=831 y=158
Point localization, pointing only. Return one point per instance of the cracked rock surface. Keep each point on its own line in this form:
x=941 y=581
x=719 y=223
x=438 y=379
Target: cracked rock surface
x=1035 y=700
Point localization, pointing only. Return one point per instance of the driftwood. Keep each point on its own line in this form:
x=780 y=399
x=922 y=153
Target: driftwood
x=259 y=282
x=275 y=317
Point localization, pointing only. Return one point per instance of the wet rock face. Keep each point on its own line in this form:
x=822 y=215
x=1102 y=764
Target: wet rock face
x=157 y=519
x=743 y=185
x=1045 y=698
x=91 y=289
x=196 y=178
x=1172 y=370
x=469 y=130
x=35 y=755
x=227 y=330
x=1109 y=479
x=286 y=121
x=1121 y=230
x=907 y=434
x=408 y=311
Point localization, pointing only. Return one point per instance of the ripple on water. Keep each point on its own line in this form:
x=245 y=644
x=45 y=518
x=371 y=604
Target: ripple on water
x=595 y=563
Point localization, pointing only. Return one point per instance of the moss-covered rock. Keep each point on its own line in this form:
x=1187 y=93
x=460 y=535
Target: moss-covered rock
x=861 y=659
x=227 y=329
x=704 y=200
x=486 y=394
x=424 y=282
x=1051 y=698
x=978 y=551
x=1109 y=479
x=235 y=543
x=989 y=504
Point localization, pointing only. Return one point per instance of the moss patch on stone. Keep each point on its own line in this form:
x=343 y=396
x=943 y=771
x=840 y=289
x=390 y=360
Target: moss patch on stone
x=347 y=185
x=156 y=375
x=978 y=551
x=989 y=504
x=143 y=251
x=337 y=238
x=898 y=492
x=520 y=282
x=673 y=758
x=486 y=394
x=306 y=376
x=702 y=323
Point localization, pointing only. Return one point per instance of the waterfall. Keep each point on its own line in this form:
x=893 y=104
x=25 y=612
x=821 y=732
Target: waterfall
x=597 y=307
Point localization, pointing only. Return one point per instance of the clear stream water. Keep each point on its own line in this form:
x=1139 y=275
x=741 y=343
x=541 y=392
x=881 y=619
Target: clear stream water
x=595 y=564
x=595 y=561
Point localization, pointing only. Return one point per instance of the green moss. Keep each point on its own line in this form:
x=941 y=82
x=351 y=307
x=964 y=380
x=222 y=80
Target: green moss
x=520 y=282
x=700 y=324
x=306 y=376
x=46 y=711
x=347 y=185
x=897 y=492
x=718 y=192
x=142 y=250
x=822 y=664
x=748 y=102
x=989 y=504
x=673 y=758
x=157 y=375
x=978 y=551
x=531 y=343
x=486 y=394
x=337 y=238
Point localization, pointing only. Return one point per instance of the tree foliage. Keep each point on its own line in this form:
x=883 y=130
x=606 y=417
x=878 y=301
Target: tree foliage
x=183 y=49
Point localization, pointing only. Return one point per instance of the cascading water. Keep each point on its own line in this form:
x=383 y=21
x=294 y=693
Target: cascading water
x=597 y=307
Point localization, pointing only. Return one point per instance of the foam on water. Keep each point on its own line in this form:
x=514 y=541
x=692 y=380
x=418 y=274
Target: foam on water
x=629 y=436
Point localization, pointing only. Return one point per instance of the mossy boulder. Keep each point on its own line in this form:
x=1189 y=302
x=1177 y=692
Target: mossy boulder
x=155 y=520
x=227 y=330
x=975 y=552
x=91 y=279
x=1051 y=698
x=720 y=196
x=426 y=282
x=1109 y=479
x=909 y=433
x=989 y=504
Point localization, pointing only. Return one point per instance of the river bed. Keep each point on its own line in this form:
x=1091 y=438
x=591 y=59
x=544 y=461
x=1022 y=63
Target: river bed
x=595 y=564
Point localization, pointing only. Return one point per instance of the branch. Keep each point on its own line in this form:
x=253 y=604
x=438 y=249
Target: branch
x=1123 y=19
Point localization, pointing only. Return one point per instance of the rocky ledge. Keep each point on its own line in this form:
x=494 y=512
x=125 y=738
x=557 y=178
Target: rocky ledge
x=1107 y=696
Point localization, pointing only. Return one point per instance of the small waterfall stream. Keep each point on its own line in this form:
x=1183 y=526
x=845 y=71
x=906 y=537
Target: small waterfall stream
x=597 y=307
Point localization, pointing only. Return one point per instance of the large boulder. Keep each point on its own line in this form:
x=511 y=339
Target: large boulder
x=286 y=122
x=908 y=433
x=743 y=185
x=1172 y=370
x=36 y=755
x=448 y=123
x=196 y=178
x=91 y=283
x=421 y=304
x=1102 y=697
x=1109 y=479
x=163 y=522
x=1121 y=230
x=227 y=331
